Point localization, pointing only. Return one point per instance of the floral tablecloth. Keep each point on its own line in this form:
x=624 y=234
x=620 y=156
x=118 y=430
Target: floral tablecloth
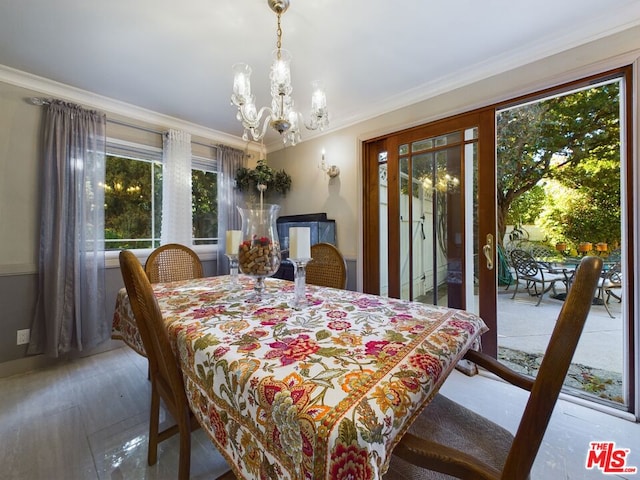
x=321 y=392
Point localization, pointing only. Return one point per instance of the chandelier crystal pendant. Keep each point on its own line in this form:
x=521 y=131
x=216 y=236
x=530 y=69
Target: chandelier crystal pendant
x=281 y=116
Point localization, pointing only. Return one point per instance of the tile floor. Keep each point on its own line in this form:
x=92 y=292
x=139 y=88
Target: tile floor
x=87 y=419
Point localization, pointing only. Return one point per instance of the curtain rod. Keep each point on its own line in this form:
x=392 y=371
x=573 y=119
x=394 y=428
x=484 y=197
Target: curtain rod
x=39 y=101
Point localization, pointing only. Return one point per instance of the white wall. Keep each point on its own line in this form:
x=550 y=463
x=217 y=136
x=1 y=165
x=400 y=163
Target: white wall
x=19 y=147
x=312 y=190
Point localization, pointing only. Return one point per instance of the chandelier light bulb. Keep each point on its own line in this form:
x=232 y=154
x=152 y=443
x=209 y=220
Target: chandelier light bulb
x=241 y=82
x=319 y=98
x=281 y=72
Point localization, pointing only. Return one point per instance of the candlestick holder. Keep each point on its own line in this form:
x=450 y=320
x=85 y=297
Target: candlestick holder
x=233 y=268
x=299 y=275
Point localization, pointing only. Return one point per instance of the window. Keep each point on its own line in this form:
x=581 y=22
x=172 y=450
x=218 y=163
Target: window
x=132 y=202
x=133 y=198
x=204 y=187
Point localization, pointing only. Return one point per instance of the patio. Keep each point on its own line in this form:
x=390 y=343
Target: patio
x=524 y=331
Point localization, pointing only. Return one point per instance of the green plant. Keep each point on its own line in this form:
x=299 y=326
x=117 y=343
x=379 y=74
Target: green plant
x=594 y=384
x=248 y=179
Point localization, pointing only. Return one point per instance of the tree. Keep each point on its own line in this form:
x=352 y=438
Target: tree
x=205 y=204
x=573 y=139
x=128 y=202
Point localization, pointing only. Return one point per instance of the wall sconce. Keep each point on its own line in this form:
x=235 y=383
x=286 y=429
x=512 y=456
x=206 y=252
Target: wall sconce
x=333 y=170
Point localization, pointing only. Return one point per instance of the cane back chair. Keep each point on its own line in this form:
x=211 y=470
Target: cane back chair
x=327 y=267
x=173 y=262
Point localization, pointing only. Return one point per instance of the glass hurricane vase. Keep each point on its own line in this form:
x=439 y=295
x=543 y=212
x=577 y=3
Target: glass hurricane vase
x=259 y=251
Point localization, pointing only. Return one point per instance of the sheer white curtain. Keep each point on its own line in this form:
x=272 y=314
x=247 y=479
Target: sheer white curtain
x=176 y=188
x=229 y=160
x=70 y=310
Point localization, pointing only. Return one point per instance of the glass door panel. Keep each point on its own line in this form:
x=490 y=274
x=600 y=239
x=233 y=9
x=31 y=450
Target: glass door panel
x=560 y=197
x=472 y=237
x=406 y=220
x=425 y=278
x=430 y=206
x=383 y=230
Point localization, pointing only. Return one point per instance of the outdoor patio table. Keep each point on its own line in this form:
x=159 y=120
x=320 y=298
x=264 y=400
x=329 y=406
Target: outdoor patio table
x=568 y=267
x=320 y=392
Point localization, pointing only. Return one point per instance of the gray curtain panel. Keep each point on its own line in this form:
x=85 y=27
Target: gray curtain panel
x=70 y=311
x=229 y=160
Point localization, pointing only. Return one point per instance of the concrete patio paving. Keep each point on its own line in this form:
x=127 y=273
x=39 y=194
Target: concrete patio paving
x=525 y=327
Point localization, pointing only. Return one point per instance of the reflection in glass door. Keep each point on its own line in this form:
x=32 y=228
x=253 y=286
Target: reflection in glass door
x=431 y=209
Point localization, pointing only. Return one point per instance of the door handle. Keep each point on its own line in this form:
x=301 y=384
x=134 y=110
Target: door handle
x=488 y=251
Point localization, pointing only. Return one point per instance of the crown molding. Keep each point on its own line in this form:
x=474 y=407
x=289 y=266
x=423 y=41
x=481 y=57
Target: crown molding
x=546 y=47
x=51 y=88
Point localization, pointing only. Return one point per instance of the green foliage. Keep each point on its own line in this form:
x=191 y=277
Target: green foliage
x=574 y=140
x=248 y=179
x=133 y=204
x=204 y=187
x=527 y=207
x=128 y=202
x=575 y=216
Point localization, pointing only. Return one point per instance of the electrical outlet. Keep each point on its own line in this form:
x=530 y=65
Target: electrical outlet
x=23 y=336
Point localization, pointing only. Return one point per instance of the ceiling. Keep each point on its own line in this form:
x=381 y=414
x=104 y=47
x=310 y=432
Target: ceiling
x=175 y=57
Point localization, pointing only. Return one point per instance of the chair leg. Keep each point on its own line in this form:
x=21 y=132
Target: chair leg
x=611 y=294
x=154 y=419
x=516 y=289
x=605 y=302
x=552 y=286
x=542 y=292
x=184 y=426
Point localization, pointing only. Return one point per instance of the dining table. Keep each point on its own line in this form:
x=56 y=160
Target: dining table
x=323 y=390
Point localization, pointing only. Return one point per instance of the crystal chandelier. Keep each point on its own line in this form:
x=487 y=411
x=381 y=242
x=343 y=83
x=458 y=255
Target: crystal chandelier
x=282 y=116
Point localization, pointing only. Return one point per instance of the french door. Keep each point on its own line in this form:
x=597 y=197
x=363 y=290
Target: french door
x=428 y=235
x=440 y=210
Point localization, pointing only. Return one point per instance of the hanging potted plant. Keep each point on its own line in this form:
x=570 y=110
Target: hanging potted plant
x=262 y=178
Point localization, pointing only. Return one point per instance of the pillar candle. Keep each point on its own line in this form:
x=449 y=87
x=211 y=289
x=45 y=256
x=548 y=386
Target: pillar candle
x=299 y=243
x=234 y=238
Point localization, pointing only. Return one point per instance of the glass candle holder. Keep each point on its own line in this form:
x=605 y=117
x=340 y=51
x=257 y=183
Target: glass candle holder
x=233 y=268
x=299 y=275
x=259 y=252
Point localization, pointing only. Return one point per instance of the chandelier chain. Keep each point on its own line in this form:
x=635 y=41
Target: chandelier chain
x=279 y=33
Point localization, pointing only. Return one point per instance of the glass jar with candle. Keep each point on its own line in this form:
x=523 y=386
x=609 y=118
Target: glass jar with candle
x=259 y=250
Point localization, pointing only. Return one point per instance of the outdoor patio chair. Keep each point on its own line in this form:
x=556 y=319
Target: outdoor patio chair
x=532 y=274
x=453 y=440
x=173 y=262
x=505 y=270
x=541 y=253
x=610 y=285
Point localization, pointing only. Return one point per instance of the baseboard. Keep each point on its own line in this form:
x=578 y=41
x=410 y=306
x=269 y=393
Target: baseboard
x=36 y=362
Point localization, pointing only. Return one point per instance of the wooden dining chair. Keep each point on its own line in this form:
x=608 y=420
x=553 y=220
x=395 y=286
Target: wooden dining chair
x=327 y=267
x=450 y=439
x=166 y=379
x=173 y=262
